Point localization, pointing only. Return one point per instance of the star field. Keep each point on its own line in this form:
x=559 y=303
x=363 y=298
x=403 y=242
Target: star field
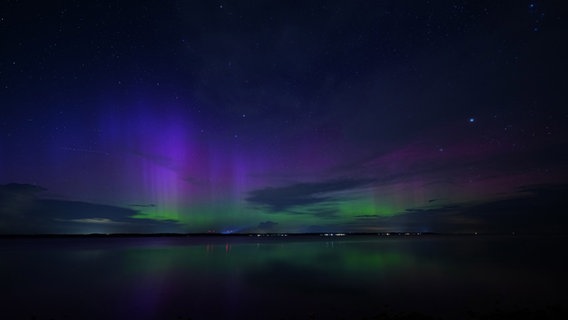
x=442 y=116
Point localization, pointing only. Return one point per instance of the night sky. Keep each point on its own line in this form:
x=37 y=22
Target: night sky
x=282 y=116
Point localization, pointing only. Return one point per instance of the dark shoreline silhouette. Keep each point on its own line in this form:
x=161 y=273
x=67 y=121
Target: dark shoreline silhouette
x=267 y=235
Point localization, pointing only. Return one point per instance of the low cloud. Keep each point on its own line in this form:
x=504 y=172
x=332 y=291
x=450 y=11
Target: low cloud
x=262 y=227
x=324 y=213
x=20 y=188
x=95 y=220
x=533 y=209
x=22 y=210
x=267 y=225
x=151 y=205
x=277 y=199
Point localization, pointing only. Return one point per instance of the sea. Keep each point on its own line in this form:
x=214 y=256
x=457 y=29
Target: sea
x=284 y=277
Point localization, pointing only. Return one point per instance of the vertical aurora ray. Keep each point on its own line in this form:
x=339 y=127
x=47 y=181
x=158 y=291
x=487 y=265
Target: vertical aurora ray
x=167 y=172
x=157 y=153
x=155 y=162
x=185 y=119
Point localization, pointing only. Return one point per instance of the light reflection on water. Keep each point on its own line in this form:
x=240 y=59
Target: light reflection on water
x=204 y=278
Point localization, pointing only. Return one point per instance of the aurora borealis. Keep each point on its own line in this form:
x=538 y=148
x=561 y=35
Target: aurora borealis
x=233 y=116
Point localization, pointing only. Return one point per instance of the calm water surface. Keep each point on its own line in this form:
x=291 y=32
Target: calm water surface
x=283 y=278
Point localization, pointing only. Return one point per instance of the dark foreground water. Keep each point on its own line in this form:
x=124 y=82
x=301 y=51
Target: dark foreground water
x=283 y=278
